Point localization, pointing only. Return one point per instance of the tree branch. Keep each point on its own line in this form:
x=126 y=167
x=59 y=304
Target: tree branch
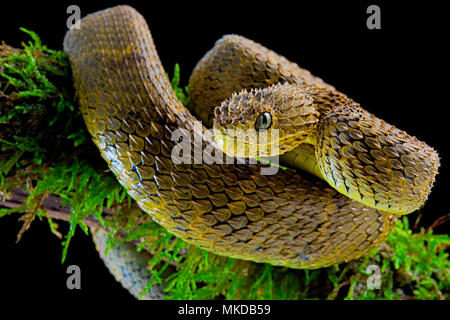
x=55 y=210
x=52 y=204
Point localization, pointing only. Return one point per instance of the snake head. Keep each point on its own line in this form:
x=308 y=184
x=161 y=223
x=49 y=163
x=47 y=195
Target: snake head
x=265 y=122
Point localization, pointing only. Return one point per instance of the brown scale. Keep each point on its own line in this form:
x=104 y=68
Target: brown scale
x=381 y=164
x=288 y=219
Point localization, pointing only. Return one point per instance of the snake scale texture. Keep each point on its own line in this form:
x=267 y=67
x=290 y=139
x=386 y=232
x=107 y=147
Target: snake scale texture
x=287 y=219
x=129 y=267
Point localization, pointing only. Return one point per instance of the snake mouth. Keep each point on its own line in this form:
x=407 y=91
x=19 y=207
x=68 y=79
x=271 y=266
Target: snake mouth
x=233 y=148
x=254 y=143
x=249 y=144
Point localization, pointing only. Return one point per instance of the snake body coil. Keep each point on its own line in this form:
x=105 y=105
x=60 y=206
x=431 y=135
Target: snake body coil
x=287 y=219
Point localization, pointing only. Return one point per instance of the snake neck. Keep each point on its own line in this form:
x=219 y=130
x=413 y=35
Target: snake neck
x=302 y=158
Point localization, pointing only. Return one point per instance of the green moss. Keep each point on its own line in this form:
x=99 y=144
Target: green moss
x=182 y=94
x=46 y=149
x=43 y=142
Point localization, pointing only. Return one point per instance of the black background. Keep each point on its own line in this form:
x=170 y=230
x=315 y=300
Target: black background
x=399 y=73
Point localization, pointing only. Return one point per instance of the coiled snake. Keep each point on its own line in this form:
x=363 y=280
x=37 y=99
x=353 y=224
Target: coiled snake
x=287 y=219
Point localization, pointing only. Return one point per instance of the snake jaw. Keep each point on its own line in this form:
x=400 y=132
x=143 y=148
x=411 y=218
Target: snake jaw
x=232 y=144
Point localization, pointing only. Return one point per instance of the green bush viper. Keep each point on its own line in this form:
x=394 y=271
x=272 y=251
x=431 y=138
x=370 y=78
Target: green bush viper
x=373 y=172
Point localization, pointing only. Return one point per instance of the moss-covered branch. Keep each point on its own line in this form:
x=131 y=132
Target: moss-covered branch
x=52 y=205
x=47 y=153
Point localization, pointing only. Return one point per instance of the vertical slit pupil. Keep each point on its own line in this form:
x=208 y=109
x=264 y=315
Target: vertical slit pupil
x=263 y=122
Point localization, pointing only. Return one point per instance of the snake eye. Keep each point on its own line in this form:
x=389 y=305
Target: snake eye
x=264 y=121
